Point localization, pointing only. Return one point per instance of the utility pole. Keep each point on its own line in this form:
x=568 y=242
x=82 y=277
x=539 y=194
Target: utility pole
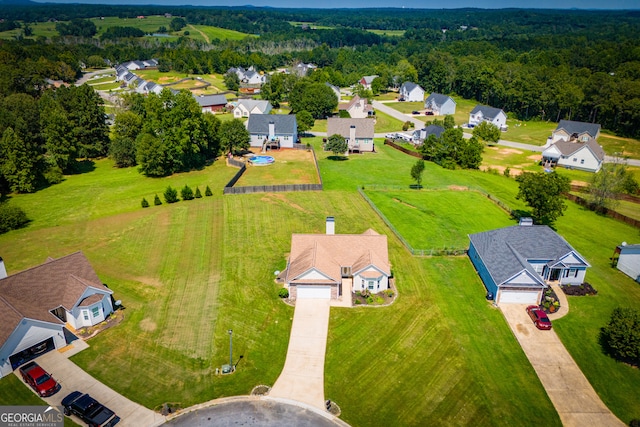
x=231 y=349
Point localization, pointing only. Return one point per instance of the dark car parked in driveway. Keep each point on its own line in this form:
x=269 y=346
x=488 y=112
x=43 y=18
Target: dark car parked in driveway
x=89 y=410
x=539 y=317
x=39 y=380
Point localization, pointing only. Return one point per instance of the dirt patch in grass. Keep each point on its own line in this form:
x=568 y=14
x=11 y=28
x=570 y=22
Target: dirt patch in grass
x=148 y=325
x=272 y=197
x=534 y=157
x=403 y=203
x=458 y=188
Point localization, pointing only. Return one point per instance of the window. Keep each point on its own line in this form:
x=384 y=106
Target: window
x=575 y=159
x=371 y=284
x=582 y=161
x=85 y=314
x=95 y=311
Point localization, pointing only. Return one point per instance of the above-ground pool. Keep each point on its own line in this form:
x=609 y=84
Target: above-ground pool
x=261 y=160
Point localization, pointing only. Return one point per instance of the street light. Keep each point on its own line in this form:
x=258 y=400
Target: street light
x=231 y=349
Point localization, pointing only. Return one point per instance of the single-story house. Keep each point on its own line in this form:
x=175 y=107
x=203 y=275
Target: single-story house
x=249 y=76
x=366 y=81
x=627 y=260
x=357 y=132
x=273 y=130
x=247 y=107
x=440 y=105
x=587 y=156
x=41 y=307
x=516 y=263
x=420 y=135
x=211 y=103
x=483 y=113
x=358 y=108
x=147 y=87
x=328 y=265
x=301 y=69
x=335 y=90
x=571 y=131
x=411 y=92
x=140 y=65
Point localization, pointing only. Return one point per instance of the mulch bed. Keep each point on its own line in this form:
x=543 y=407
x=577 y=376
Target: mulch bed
x=381 y=298
x=579 y=290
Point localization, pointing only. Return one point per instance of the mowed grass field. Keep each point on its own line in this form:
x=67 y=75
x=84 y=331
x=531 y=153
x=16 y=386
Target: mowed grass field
x=290 y=167
x=187 y=272
x=435 y=219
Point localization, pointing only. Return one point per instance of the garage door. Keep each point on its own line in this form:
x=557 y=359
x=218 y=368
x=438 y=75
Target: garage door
x=518 y=297
x=31 y=353
x=314 y=292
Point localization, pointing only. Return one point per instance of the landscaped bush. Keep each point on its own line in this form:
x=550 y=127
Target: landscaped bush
x=579 y=290
x=198 y=194
x=283 y=293
x=171 y=195
x=207 y=192
x=186 y=193
x=144 y=203
x=11 y=217
x=157 y=201
x=621 y=337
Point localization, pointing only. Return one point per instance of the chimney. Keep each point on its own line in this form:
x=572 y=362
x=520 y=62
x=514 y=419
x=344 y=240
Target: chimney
x=331 y=225
x=3 y=271
x=352 y=135
x=272 y=130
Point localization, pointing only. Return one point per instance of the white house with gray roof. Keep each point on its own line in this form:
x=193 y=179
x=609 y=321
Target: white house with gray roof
x=358 y=133
x=484 y=113
x=411 y=92
x=273 y=130
x=587 y=156
x=440 y=105
x=247 y=107
x=421 y=134
x=571 y=131
x=517 y=263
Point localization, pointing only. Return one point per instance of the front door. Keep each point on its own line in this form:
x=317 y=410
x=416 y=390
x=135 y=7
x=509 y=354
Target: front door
x=555 y=274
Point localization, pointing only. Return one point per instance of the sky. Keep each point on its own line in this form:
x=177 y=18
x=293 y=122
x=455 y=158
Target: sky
x=415 y=4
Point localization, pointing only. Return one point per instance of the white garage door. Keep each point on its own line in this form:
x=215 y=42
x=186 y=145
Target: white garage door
x=518 y=297
x=314 y=292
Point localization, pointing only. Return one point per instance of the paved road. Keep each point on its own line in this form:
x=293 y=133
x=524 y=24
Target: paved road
x=72 y=377
x=253 y=411
x=571 y=394
x=87 y=76
x=302 y=377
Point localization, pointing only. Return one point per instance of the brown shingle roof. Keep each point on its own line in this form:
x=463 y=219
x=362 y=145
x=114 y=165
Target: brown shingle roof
x=342 y=127
x=326 y=253
x=34 y=292
x=568 y=148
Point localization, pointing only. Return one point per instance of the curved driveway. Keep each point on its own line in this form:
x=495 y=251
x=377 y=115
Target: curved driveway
x=573 y=397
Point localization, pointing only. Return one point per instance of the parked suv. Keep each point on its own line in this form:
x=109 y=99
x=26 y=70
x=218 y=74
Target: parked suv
x=89 y=410
x=539 y=317
x=39 y=379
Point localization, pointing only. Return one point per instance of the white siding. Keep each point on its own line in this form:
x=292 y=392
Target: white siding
x=582 y=159
x=629 y=264
x=312 y=275
x=28 y=333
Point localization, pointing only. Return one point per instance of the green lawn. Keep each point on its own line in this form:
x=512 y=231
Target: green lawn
x=188 y=272
x=386 y=123
x=406 y=107
x=530 y=132
x=290 y=167
x=431 y=219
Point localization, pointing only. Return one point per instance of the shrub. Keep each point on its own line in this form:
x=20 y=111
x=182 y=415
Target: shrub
x=198 y=194
x=144 y=203
x=507 y=172
x=54 y=175
x=621 y=337
x=11 y=217
x=406 y=125
x=283 y=293
x=171 y=195
x=186 y=193
x=157 y=201
x=207 y=192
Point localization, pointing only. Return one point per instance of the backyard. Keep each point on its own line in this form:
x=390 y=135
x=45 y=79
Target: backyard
x=290 y=167
x=189 y=271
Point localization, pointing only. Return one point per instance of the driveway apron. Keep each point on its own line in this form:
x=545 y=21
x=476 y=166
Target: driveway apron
x=72 y=378
x=302 y=378
x=571 y=394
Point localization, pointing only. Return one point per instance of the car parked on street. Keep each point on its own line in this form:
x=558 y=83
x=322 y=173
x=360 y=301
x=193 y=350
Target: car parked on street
x=415 y=112
x=539 y=317
x=89 y=410
x=39 y=380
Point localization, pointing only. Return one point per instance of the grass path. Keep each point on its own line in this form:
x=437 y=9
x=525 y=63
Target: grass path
x=206 y=37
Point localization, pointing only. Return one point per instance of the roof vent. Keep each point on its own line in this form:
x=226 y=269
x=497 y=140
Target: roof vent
x=526 y=221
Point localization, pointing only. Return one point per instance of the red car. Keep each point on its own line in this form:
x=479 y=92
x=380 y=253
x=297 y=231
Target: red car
x=539 y=317
x=39 y=379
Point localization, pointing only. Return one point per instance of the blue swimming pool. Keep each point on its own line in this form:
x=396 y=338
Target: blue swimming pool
x=262 y=160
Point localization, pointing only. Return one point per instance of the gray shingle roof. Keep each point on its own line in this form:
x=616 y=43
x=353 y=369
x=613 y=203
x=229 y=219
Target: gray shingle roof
x=505 y=251
x=568 y=148
x=208 y=100
x=285 y=124
x=409 y=86
x=572 y=127
x=342 y=127
x=438 y=99
x=488 y=112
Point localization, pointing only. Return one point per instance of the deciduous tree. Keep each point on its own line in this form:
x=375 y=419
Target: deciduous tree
x=621 y=336
x=233 y=136
x=337 y=145
x=544 y=193
x=416 y=172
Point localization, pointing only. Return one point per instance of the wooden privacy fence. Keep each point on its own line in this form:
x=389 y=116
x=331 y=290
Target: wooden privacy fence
x=608 y=212
x=280 y=188
x=417 y=252
x=404 y=150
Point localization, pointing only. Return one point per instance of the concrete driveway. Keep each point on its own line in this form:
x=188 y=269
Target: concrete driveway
x=302 y=378
x=571 y=394
x=72 y=378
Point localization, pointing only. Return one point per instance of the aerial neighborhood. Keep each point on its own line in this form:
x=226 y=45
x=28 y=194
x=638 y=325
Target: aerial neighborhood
x=340 y=217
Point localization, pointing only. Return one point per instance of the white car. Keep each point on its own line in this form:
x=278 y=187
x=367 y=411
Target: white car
x=391 y=136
